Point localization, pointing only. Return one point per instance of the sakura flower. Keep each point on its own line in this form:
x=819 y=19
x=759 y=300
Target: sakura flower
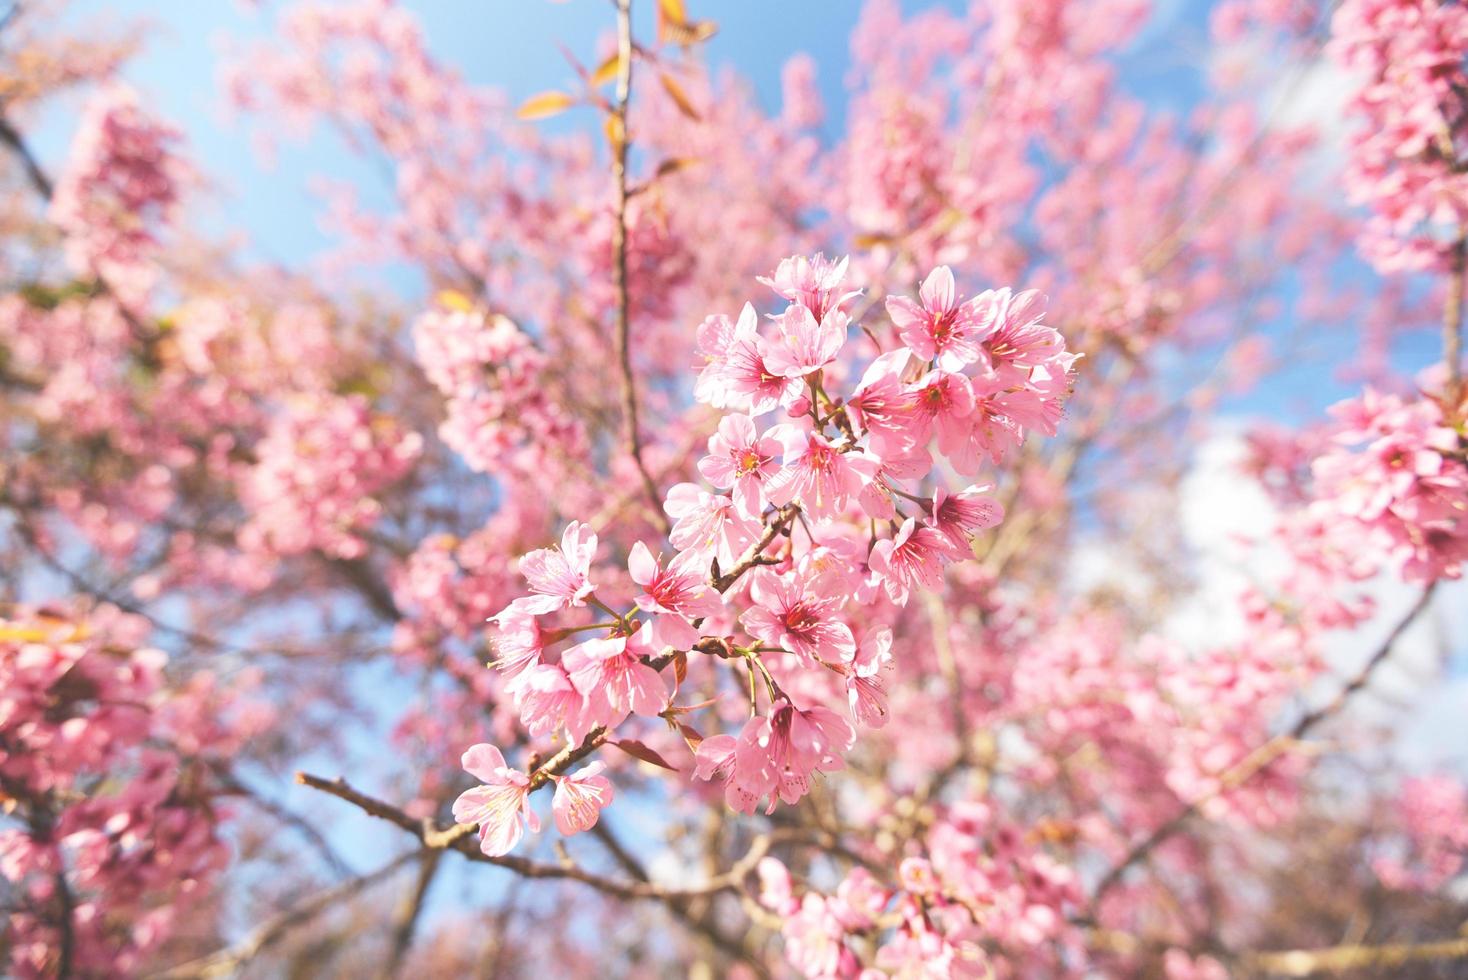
x=715 y=335
x=614 y=681
x=560 y=577
x=811 y=282
x=519 y=641
x=805 y=344
x=958 y=516
x=817 y=472
x=883 y=405
x=500 y=806
x=677 y=595
x=580 y=798
x=548 y=700
x=741 y=459
x=1016 y=340
x=914 y=557
x=943 y=403
x=866 y=677
x=789 y=613
x=751 y=383
x=939 y=327
x=708 y=524
x=909 y=463
x=775 y=755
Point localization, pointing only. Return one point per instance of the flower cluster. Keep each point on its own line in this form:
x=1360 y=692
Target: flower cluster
x=319 y=469
x=498 y=412
x=1431 y=813
x=1397 y=471
x=1409 y=154
x=120 y=181
x=834 y=508
x=107 y=860
x=979 y=884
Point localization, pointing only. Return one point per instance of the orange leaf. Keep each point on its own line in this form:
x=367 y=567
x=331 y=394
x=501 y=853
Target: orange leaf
x=606 y=71
x=454 y=300
x=679 y=97
x=616 y=132
x=690 y=34
x=680 y=666
x=545 y=104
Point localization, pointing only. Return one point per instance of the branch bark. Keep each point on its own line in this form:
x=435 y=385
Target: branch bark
x=619 y=262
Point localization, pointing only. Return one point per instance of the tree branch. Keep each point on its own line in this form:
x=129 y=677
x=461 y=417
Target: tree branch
x=458 y=837
x=231 y=959
x=619 y=261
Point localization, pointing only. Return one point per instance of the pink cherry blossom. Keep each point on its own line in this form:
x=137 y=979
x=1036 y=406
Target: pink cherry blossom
x=812 y=282
x=940 y=328
x=678 y=595
x=790 y=614
x=817 y=473
x=803 y=344
x=580 y=798
x=501 y=807
x=560 y=577
x=913 y=559
x=741 y=459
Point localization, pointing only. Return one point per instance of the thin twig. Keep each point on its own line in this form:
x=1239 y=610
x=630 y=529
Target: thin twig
x=619 y=260
x=231 y=959
x=458 y=837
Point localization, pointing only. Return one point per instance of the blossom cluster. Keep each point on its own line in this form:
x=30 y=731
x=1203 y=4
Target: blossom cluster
x=978 y=883
x=1431 y=813
x=498 y=413
x=120 y=182
x=824 y=508
x=318 y=469
x=1409 y=159
x=109 y=859
x=1397 y=472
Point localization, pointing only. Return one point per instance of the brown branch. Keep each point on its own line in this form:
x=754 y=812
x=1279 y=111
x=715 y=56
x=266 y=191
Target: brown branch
x=410 y=911
x=1338 y=959
x=35 y=173
x=1264 y=754
x=619 y=260
x=458 y=838
x=65 y=927
x=231 y=959
x=1453 y=321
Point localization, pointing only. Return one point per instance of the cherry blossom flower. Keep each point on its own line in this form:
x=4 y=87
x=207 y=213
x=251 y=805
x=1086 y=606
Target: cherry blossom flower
x=914 y=558
x=741 y=459
x=960 y=515
x=560 y=577
x=501 y=807
x=812 y=282
x=789 y=614
x=804 y=344
x=940 y=328
x=580 y=798
x=817 y=473
x=613 y=679
x=677 y=595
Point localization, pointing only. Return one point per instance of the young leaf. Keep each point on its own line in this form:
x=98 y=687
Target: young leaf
x=679 y=97
x=544 y=105
x=606 y=71
x=637 y=750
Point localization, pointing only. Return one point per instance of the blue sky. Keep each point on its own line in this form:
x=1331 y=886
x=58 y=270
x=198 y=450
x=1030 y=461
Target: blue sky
x=511 y=44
